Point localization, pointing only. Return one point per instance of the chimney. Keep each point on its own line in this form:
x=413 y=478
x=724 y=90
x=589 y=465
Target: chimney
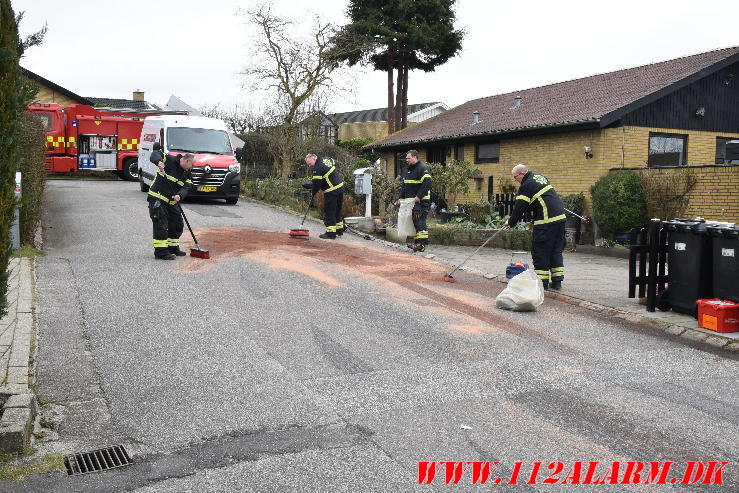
x=475 y=117
x=517 y=102
x=138 y=95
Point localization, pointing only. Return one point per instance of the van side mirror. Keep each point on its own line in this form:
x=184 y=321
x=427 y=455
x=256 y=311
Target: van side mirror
x=157 y=146
x=239 y=153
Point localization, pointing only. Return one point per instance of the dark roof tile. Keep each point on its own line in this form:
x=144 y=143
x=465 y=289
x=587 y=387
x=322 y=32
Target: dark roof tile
x=581 y=100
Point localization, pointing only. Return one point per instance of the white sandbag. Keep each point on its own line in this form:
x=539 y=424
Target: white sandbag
x=524 y=293
x=405 y=218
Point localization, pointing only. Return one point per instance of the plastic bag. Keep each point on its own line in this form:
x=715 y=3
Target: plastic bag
x=524 y=293
x=405 y=218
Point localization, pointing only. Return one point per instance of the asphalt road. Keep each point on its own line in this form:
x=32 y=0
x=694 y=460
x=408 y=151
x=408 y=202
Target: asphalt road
x=279 y=366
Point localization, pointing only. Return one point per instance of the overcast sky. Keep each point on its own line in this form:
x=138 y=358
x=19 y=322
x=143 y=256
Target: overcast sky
x=195 y=49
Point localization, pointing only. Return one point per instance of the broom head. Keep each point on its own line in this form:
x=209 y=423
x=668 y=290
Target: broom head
x=299 y=233
x=199 y=252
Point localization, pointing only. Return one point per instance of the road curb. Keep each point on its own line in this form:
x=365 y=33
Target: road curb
x=19 y=406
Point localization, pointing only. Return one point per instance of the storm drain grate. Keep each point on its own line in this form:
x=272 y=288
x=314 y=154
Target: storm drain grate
x=97 y=460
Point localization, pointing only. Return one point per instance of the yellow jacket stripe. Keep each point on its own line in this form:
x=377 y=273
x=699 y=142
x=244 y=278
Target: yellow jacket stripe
x=161 y=197
x=551 y=219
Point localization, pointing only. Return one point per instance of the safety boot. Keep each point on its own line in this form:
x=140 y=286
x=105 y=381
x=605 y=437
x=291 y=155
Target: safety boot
x=556 y=285
x=165 y=256
x=327 y=236
x=417 y=247
x=176 y=251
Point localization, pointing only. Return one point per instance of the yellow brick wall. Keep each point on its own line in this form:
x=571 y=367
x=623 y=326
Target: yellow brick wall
x=358 y=130
x=716 y=195
x=46 y=95
x=561 y=158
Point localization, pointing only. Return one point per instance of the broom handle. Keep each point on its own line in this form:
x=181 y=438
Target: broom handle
x=478 y=249
x=188 y=225
x=306 y=210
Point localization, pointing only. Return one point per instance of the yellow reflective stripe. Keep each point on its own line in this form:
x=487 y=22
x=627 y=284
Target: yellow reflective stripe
x=188 y=181
x=427 y=197
x=334 y=187
x=561 y=217
x=173 y=241
x=425 y=176
x=524 y=198
x=328 y=180
x=340 y=225
x=543 y=274
x=538 y=194
x=160 y=243
x=161 y=197
x=317 y=177
x=544 y=210
x=331 y=229
x=416 y=182
x=557 y=269
x=170 y=177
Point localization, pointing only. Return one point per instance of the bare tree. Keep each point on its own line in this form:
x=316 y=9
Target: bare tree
x=239 y=118
x=294 y=70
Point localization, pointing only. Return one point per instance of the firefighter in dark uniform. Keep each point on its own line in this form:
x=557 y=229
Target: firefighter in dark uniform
x=171 y=184
x=327 y=178
x=548 y=215
x=417 y=183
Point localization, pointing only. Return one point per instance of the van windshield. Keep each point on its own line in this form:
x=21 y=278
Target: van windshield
x=198 y=140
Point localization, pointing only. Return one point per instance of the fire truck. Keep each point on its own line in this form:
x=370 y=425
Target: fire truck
x=80 y=137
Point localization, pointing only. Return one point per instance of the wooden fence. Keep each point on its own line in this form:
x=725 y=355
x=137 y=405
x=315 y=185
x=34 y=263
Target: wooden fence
x=648 y=262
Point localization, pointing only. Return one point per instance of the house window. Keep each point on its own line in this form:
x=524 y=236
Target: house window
x=436 y=155
x=487 y=153
x=667 y=149
x=721 y=154
x=459 y=152
x=400 y=163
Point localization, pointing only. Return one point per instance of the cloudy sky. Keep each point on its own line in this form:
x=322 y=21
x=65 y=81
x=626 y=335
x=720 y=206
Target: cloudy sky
x=196 y=49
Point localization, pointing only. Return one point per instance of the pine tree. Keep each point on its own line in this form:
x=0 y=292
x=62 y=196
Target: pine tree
x=397 y=36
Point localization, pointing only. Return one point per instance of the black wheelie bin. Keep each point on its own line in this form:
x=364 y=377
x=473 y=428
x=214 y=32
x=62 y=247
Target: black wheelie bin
x=689 y=264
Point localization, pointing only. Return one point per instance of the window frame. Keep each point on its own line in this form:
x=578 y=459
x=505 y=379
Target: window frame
x=725 y=139
x=684 y=153
x=479 y=160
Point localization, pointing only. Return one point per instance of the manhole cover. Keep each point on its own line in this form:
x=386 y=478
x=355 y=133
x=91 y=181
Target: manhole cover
x=97 y=460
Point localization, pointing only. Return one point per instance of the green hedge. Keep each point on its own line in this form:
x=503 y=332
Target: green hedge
x=32 y=140
x=11 y=104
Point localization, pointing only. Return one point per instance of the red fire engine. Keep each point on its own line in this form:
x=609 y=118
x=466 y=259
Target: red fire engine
x=82 y=137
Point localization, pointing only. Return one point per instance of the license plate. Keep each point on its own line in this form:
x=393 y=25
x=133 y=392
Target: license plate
x=207 y=189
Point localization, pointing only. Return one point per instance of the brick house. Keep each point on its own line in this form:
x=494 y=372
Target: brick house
x=373 y=123
x=653 y=118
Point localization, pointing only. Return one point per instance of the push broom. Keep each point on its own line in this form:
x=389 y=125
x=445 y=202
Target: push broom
x=301 y=232
x=197 y=251
x=449 y=278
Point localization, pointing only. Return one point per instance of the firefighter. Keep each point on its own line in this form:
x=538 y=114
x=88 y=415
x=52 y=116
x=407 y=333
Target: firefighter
x=327 y=178
x=417 y=184
x=548 y=215
x=171 y=184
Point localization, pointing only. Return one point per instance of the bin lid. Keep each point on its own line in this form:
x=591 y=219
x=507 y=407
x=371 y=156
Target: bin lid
x=727 y=230
x=686 y=225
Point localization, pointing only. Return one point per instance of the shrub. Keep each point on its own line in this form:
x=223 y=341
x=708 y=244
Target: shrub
x=32 y=167
x=668 y=192
x=477 y=211
x=618 y=202
x=452 y=179
x=575 y=203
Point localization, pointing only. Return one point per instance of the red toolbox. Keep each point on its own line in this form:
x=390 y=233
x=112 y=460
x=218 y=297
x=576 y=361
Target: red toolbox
x=718 y=315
